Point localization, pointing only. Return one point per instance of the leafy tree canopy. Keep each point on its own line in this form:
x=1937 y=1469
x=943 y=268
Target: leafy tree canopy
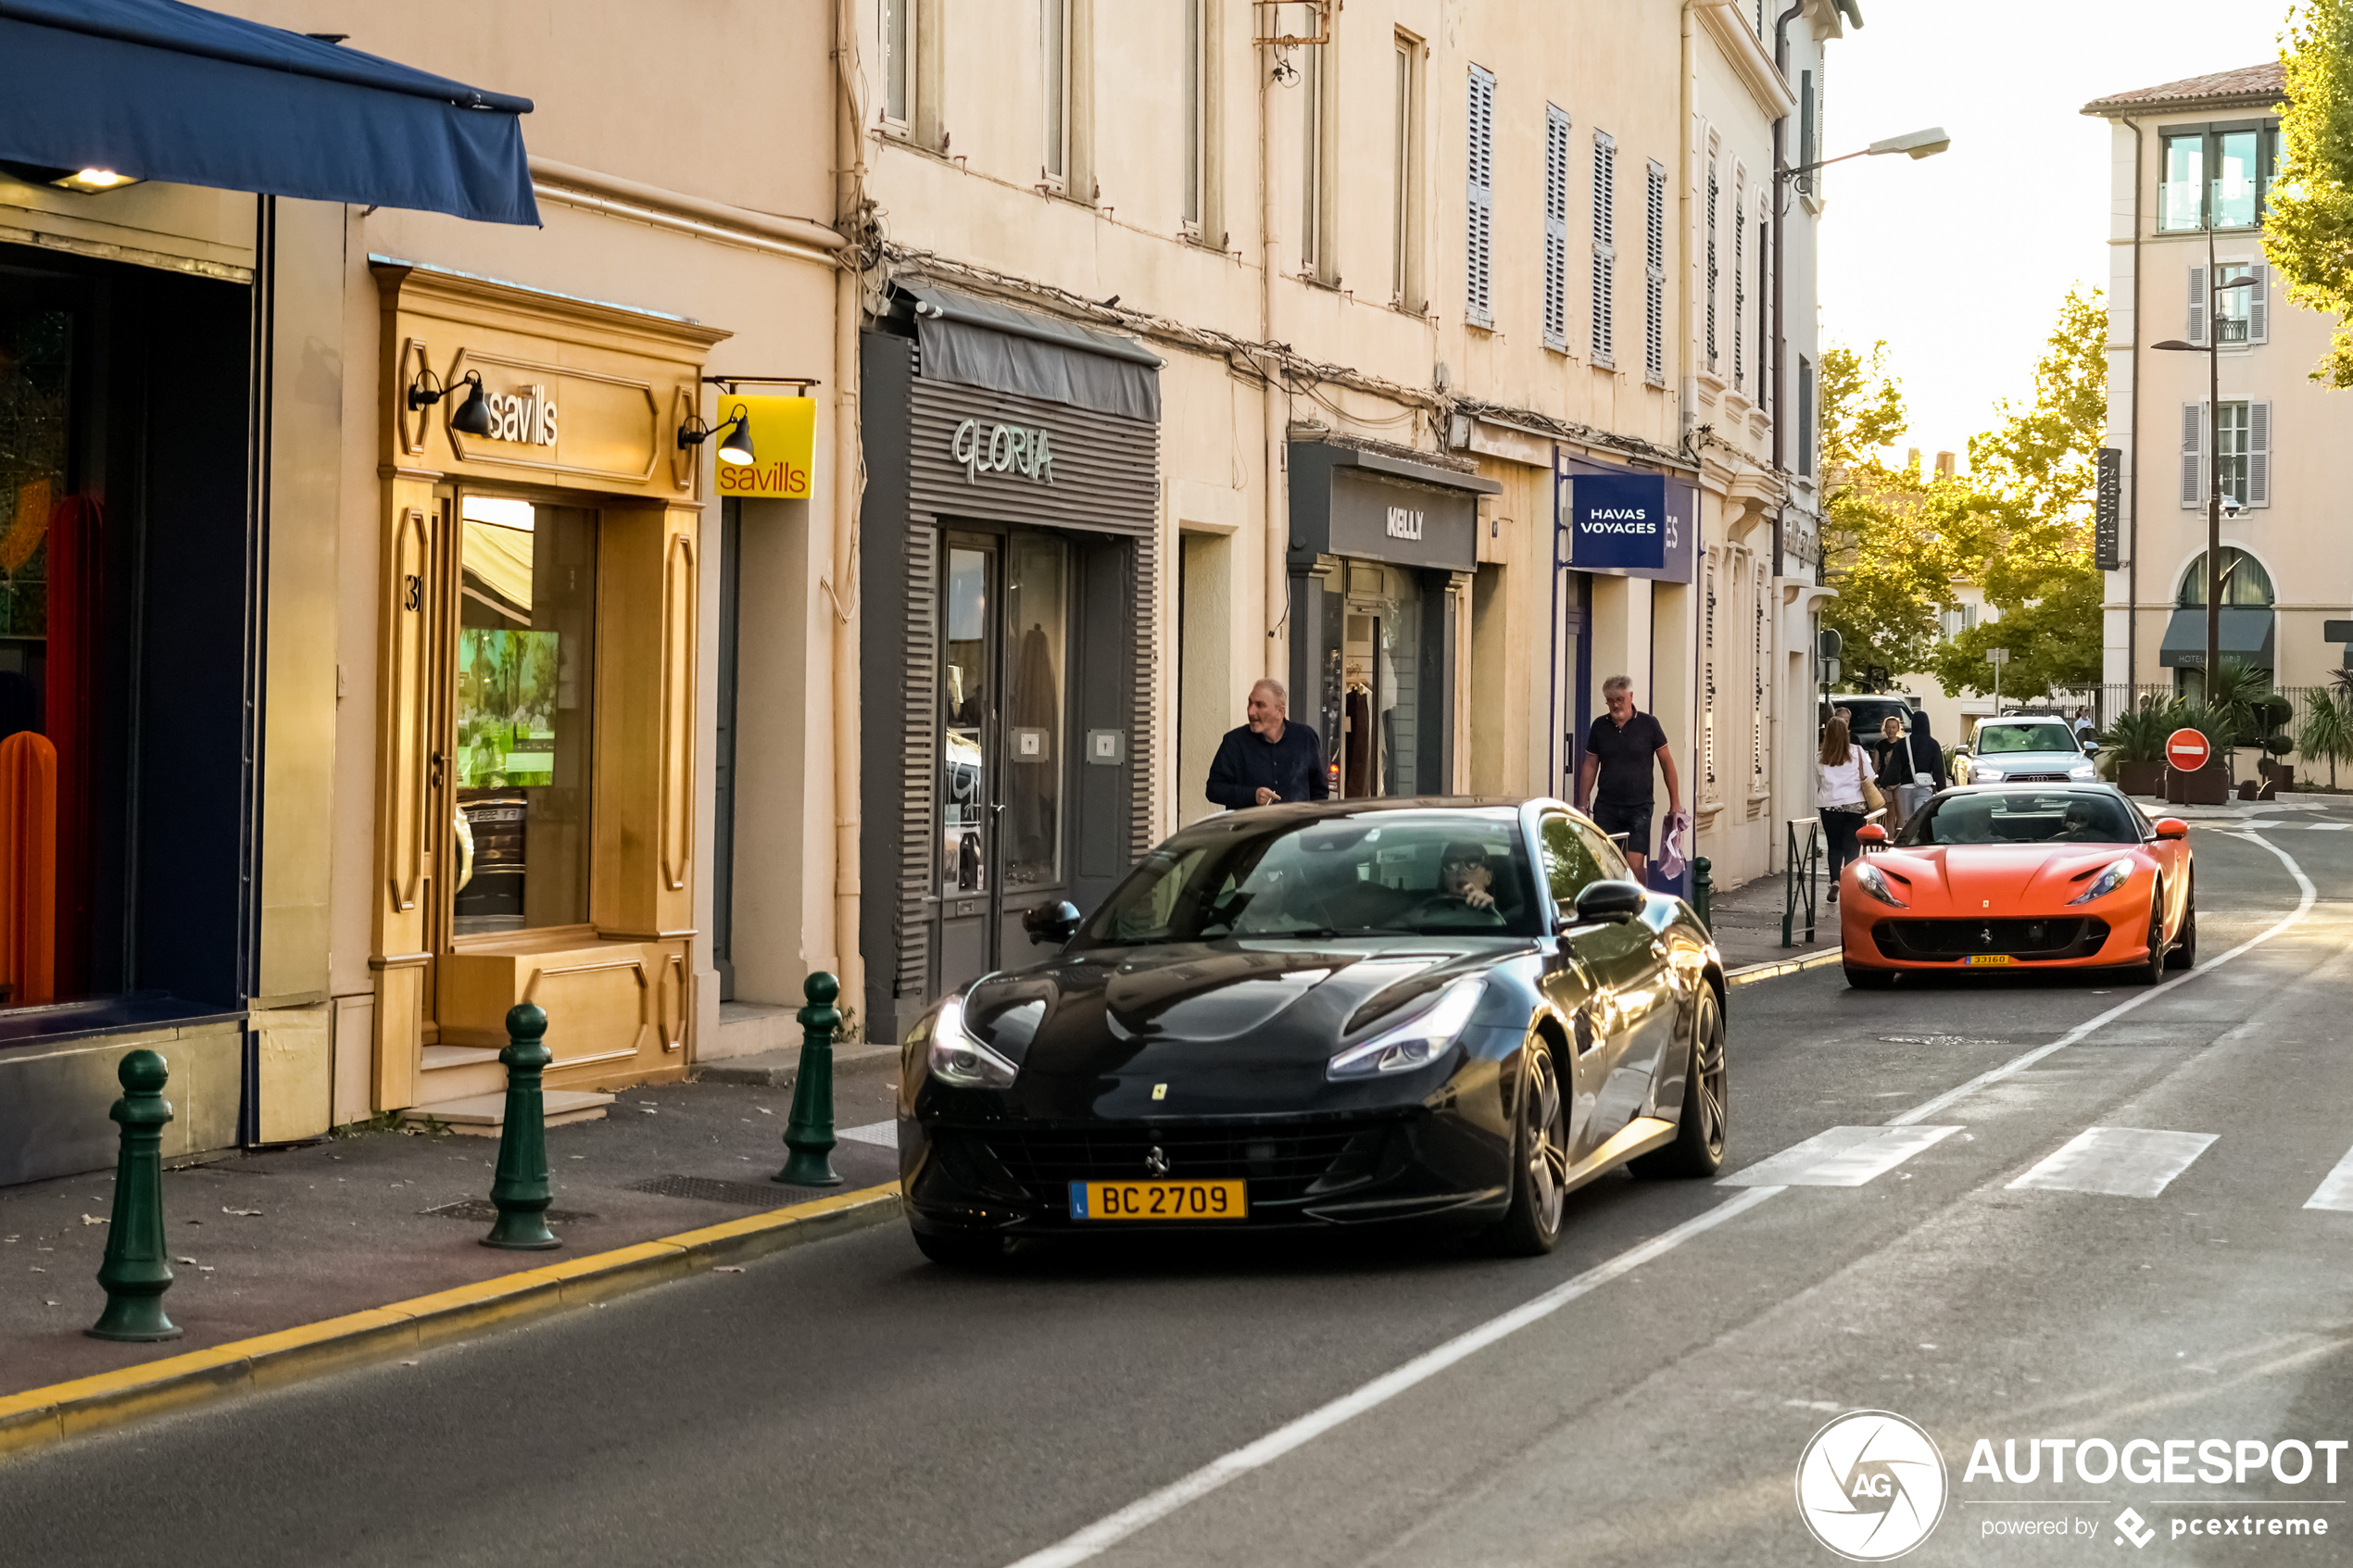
x=1890 y=566
x=2308 y=223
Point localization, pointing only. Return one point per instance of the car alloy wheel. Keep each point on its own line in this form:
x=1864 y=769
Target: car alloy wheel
x=1539 y=1175
x=1702 y=1130
x=2185 y=953
x=2151 y=969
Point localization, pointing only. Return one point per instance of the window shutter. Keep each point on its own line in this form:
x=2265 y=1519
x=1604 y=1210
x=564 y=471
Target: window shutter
x=2259 y=453
x=2197 y=304
x=2192 y=444
x=1740 y=283
x=1708 y=278
x=2259 y=304
x=1604 y=250
x=1555 y=229
x=1479 y=296
x=1654 y=277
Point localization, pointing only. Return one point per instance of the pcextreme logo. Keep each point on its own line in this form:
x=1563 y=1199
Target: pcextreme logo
x=1871 y=1486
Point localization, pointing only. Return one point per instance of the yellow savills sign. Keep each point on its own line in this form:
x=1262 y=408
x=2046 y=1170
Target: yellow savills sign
x=783 y=433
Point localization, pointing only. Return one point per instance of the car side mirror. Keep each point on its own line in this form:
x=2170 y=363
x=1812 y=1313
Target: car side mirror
x=1611 y=903
x=1871 y=832
x=2172 y=827
x=1051 y=923
x=2090 y=749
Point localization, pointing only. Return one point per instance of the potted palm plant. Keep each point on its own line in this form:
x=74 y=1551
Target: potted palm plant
x=2326 y=734
x=2133 y=748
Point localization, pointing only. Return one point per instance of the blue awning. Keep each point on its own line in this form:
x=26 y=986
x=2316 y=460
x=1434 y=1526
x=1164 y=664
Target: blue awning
x=162 y=90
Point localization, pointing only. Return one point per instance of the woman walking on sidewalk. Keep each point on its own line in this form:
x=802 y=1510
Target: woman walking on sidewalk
x=1839 y=773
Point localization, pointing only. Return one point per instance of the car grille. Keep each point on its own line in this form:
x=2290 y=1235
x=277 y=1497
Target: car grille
x=2035 y=778
x=1933 y=940
x=1280 y=1160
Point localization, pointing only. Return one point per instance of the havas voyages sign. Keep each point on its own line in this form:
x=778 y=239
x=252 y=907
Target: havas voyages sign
x=1618 y=522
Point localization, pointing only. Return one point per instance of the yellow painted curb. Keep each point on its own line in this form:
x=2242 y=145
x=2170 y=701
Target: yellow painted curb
x=39 y=1417
x=1748 y=973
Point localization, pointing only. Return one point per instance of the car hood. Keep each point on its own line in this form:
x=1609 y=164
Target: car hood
x=1975 y=879
x=1228 y=1013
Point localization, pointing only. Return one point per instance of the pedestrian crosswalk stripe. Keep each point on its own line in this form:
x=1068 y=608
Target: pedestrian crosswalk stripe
x=2120 y=1161
x=883 y=1134
x=1842 y=1157
x=2337 y=1189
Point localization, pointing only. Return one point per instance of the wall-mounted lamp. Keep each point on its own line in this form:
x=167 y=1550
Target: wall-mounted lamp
x=472 y=417
x=89 y=181
x=735 y=436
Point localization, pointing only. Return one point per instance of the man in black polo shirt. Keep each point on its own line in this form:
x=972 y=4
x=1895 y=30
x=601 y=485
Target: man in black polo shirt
x=1620 y=748
x=1269 y=759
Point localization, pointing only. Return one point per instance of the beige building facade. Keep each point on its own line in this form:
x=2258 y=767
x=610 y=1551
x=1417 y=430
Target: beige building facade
x=2191 y=162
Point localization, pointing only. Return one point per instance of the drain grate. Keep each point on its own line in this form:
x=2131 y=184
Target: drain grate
x=744 y=1194
x=482 y=1211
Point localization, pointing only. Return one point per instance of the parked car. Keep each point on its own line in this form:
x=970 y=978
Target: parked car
x=2027 y=750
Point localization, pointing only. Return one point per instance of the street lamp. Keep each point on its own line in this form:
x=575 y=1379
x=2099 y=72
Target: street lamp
x=2212 y=349
x=1912 y=143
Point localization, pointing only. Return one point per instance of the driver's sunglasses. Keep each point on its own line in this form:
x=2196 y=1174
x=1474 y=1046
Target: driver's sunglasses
x=1462 y=865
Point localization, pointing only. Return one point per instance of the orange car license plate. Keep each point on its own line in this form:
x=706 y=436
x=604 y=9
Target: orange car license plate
x=1158 y=1200
x=1988 y=960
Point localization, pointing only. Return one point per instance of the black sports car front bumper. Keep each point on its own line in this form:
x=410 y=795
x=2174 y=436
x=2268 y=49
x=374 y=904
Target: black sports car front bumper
x=1299 y=1172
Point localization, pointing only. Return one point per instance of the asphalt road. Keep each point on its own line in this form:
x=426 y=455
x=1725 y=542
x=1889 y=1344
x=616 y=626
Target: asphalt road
x=850 y=1404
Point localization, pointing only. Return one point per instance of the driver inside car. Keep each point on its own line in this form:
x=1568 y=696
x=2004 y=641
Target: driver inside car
x=1463 y=895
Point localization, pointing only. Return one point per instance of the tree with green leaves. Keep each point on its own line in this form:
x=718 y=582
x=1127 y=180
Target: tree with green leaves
x=2307 y=220
x=2019 y=523
x=1892 y=572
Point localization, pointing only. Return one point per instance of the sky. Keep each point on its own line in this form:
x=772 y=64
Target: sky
x=1960 y=260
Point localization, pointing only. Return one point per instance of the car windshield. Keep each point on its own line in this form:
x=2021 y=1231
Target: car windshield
x=1377 y=874
x=2023 y=817
x=1994 y=739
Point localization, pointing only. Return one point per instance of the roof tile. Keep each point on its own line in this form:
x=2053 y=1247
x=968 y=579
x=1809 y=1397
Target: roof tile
x=2248 y=82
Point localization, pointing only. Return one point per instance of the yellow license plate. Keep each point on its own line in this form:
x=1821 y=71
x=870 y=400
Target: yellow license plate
x=1988 y=960
x=1158 y=1200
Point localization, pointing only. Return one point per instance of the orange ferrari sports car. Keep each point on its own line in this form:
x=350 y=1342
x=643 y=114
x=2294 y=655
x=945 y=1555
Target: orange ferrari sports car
x=2020 y=876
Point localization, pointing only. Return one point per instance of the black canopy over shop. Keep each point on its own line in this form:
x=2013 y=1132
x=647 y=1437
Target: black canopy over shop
x=1008 y=565
x=1383 y=543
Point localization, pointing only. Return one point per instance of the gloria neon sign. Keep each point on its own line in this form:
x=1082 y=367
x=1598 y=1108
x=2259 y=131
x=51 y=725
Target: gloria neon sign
x=1021 y=450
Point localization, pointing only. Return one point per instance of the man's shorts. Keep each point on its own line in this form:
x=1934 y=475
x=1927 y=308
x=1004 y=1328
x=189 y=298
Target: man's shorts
x=1633 y=821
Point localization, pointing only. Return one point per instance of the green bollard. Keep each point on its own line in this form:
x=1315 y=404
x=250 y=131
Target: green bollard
x=1702 y=888
x=134 y=1272
x=810 y=1131
x=520 y=1185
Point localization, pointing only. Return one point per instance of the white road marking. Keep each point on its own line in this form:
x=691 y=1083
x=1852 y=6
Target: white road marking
x=2336 y=1190
x=882 y=1135
x=1113 y=1528
x=2329 y=827
x=1841 y=1157
x=2306 y=895
x=2120 y=1161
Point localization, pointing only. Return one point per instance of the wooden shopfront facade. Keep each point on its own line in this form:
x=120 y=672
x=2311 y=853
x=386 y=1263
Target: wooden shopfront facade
x=1009 y=561
x=536 y=697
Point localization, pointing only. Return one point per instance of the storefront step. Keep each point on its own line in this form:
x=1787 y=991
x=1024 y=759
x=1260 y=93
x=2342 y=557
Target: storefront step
x=456 y=1072
x=482 y=1115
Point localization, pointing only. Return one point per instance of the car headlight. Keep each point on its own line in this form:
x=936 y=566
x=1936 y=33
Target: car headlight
x=1868 y=878
x=2112 y=876
x=1418 y=1042
x=1985 y=771
x=956 y=1058
x=2085 y=772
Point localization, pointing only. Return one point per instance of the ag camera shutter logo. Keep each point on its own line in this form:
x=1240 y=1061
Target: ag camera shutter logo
x=1871 y=1485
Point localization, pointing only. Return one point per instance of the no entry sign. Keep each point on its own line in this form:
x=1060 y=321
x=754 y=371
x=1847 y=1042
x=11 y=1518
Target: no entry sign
x=2187 y=750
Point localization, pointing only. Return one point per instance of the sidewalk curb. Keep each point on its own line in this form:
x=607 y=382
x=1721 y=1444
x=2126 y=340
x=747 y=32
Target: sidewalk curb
x=852 y=1061
x=1768 y=970
x=40 y=1418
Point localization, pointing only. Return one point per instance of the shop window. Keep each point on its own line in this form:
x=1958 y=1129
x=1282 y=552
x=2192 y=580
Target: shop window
x=964 y=693
x=523 y=668
x=1380 y=680
x=1008 y=623
x=36 y=353
x=1037 y=612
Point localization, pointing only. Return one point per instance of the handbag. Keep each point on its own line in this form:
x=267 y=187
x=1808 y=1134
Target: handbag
x=1872 y=800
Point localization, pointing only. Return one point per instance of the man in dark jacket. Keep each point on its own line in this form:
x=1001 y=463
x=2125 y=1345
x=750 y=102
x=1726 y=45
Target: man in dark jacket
x=1269 y=759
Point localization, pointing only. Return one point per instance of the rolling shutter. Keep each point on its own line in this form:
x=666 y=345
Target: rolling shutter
x=1555 y=229
x=1144 y=593
x=2193 y=449
x=919 y=718
x=1479 y=242
x=2197 y=304
x=1604 y=250
x=2259 y=453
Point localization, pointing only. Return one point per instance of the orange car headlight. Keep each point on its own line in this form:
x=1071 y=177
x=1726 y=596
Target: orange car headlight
x=2113 y=875
x=1868 y=878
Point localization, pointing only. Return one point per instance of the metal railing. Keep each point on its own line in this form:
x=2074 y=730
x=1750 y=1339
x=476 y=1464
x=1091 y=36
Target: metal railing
x=1802 y=872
